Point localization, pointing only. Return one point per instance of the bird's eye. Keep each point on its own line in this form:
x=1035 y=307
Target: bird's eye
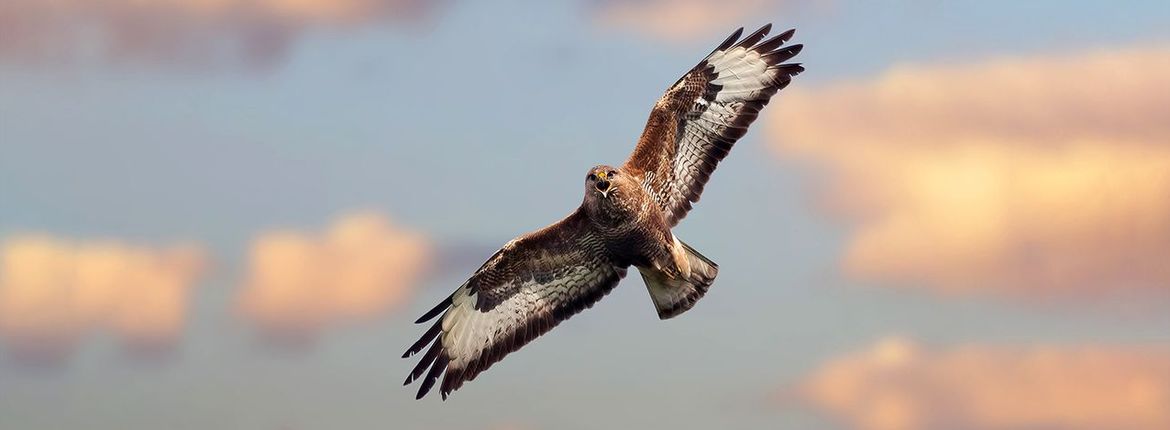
x=591 y=176
x=612 y=173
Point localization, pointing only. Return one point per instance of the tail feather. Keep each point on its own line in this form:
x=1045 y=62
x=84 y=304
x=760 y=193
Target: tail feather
x=673 y=296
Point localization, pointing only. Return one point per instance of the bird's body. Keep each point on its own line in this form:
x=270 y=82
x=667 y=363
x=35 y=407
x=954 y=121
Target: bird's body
x=625 y=217
x=542 y=278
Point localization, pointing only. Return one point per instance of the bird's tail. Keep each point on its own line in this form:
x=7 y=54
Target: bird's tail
x=673 y=295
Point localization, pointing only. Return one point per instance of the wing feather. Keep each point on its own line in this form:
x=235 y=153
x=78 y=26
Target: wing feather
x=520 y=293
x=696 y=123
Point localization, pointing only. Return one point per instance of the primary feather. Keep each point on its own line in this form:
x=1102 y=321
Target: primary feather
x=695 y=124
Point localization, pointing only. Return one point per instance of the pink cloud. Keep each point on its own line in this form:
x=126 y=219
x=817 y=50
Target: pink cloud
x=1035 y=175
x=180 y=33
x=899 y=385
x=298 y=284
x=684 y=20
x=55 y=292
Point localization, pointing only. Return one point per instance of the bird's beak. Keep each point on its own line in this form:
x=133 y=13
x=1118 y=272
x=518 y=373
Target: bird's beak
x=603 y=184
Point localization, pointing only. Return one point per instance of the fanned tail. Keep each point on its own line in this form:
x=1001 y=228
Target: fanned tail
x=675 y=295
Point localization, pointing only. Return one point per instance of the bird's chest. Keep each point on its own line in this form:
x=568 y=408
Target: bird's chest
x=634 y=228
x=637 y=243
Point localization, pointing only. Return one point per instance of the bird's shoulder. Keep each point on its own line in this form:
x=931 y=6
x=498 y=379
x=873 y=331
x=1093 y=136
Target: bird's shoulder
x=570 y=242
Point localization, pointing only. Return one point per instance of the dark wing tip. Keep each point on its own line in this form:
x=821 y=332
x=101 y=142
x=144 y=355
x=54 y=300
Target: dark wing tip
x=755 y=37
x=772 y=43
x=427 y=337
x=783 y=54
x=729 y=41
x=444 y=392
x=437 y=369
x=787 y=34
x=426 y=361
x=442 y=306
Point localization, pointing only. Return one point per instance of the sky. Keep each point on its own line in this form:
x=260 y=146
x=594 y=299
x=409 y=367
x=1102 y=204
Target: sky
x=228 y=213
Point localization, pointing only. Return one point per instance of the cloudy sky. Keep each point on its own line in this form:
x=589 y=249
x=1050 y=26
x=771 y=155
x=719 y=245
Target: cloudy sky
x=226 y=214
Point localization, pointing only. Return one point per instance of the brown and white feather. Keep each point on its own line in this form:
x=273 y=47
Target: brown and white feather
x=540 y=279
x=522 y=292
x=695 y=124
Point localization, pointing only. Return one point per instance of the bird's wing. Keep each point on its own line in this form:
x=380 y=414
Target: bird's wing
x=524 y=290
x=694 y=125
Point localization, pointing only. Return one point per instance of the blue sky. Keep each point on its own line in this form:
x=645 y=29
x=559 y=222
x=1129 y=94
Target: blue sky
x=472 y=124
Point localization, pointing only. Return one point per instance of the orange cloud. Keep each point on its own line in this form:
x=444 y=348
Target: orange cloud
x=1032 y=175
x=179 y=32
x=53 y=292
x=898 y=385
x=683 y=20
x=361 y=267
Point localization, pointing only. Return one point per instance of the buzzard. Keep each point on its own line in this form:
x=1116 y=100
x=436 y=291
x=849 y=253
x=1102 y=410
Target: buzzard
x=542 y=278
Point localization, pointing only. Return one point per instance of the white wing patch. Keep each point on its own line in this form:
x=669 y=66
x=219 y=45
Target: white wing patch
x=742 y=73
x=468 y=332
x=475 y=332
x=743 y=78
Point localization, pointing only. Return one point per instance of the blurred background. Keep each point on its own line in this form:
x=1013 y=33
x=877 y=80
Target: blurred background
x=227 y=213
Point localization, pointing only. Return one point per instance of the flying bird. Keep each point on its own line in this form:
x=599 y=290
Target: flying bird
x=542 y=278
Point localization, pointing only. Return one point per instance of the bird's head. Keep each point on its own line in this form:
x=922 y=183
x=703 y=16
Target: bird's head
x=602 y=181
x=611 y=193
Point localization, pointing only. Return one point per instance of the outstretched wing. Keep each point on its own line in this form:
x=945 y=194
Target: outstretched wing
x=694 y=125
x=523 y=291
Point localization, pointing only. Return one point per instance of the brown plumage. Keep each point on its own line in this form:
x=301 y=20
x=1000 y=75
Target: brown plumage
x=542 y=278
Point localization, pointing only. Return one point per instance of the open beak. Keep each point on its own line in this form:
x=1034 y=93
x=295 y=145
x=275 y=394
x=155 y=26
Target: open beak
x=603 y=184
x=604 y=187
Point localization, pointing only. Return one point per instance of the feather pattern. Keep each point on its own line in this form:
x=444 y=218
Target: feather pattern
x=540 y=279
x=521 y=292
x=696 y=123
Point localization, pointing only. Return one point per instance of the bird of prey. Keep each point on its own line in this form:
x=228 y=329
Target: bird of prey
x=542 y=278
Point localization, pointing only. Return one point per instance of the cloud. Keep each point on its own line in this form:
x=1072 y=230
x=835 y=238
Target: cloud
x=298 y=284
x=53 y=292
x=685 y=20
x=1021 y=175
x=899 y=385
x=180 y=33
